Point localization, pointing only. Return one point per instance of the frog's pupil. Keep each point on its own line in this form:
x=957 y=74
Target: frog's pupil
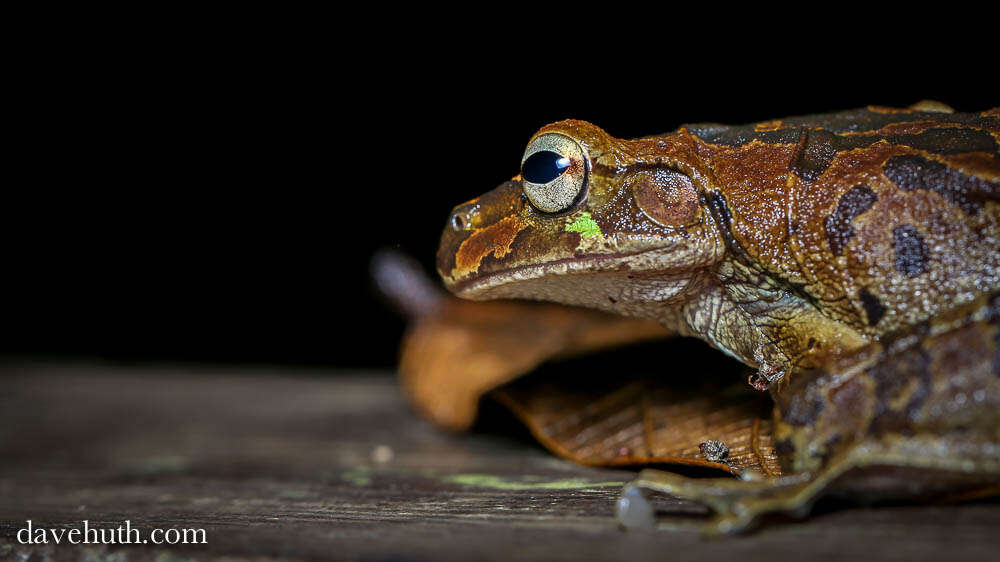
x=544 y=166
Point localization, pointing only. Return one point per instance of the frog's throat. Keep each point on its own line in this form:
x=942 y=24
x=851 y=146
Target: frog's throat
x=603 y=273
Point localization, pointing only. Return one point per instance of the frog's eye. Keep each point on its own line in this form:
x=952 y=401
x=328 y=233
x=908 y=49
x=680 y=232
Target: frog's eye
x=554 y=170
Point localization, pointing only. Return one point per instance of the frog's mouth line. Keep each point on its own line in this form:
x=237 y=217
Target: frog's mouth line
x=602 y=263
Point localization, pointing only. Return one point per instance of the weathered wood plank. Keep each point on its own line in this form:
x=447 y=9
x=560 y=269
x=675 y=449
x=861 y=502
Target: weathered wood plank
x=275 y=463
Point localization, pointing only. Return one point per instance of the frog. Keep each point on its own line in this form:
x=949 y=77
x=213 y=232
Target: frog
x=851 y=260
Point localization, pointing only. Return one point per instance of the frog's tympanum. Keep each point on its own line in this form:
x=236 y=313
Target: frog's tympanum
x=851 y=259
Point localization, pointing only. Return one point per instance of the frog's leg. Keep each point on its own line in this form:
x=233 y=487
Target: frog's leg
x=917 y=416
x=862 y=473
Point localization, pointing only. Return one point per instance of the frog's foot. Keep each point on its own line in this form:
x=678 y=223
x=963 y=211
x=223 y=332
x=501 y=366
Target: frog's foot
x=736 y=505
x=913 y=468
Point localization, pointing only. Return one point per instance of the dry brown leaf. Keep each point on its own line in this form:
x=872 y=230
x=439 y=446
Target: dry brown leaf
x=645 y=421
x=451 y=358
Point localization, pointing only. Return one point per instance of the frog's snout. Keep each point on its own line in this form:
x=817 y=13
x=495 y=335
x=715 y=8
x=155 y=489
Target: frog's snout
x=482 y=227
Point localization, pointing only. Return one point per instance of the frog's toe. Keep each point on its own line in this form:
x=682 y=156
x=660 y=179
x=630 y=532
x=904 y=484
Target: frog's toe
x=633 y=510
x=736 y=505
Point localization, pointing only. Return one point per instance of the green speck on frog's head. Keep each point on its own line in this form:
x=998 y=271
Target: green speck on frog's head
x=585 y=225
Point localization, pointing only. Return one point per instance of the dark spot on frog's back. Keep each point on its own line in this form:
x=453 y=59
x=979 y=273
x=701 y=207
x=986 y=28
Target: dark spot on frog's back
x=739 y=135
x=912 y=172
x=910 y=251
x=949 y=140
x=838 y=224
x=874 y=308
x=814 y=153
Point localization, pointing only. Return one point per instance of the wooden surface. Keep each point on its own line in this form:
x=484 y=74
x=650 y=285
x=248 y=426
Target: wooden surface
x=283 y=463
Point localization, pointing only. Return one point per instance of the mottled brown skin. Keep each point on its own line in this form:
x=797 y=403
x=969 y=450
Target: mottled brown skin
x=853 y=258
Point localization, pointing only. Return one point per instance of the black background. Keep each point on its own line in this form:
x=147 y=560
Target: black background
x=223 y=204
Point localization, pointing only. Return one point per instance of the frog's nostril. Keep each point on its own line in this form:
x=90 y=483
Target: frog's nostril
x=464 y=217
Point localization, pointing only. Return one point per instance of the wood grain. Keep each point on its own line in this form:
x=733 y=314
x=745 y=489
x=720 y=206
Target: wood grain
x=294 y=464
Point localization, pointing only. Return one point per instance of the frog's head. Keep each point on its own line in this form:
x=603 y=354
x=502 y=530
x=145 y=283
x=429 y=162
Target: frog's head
x=591 y=220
